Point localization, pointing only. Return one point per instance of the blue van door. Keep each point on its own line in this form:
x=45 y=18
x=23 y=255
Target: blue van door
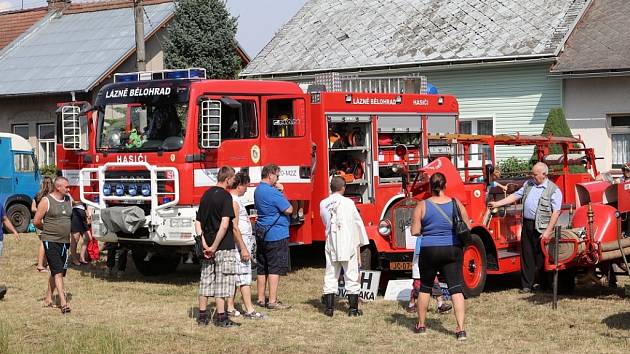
x=25 y=185
x=6 y=169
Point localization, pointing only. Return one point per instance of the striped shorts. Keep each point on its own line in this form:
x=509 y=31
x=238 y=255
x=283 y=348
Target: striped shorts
x=218 y=276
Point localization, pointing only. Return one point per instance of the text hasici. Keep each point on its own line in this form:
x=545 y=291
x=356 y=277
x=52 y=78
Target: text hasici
x=136 y=92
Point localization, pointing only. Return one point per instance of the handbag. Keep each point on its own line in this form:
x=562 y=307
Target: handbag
x=198 y=247
x=461 y=228
x=260 y=233
x=93 y=249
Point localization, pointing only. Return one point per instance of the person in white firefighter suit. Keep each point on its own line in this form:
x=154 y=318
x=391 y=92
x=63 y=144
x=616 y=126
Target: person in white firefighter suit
x=345 y=234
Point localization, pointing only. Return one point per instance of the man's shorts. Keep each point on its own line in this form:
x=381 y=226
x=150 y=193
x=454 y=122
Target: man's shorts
x=78 y=221
x=57 y=256
x=218 y=276
x=272 y=257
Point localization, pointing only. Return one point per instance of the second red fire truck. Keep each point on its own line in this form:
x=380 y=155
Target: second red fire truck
x=152 y=143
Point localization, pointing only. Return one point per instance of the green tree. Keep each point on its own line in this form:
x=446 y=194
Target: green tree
x=556 y=125
x=202 y=34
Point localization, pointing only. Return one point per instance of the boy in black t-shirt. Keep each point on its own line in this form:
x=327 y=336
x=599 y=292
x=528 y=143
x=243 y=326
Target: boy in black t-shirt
x=219 y=266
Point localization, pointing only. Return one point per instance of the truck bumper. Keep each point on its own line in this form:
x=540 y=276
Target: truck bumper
x=170 y=227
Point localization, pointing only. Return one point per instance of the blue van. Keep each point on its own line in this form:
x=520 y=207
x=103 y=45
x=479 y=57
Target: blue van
x=19 y=179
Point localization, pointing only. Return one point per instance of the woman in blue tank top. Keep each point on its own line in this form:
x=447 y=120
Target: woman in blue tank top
x=441 y=250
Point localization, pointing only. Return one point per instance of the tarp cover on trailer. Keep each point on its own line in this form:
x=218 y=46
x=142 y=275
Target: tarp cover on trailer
x=123 y=219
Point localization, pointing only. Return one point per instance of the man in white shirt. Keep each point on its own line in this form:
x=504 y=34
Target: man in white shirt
x=345 y=234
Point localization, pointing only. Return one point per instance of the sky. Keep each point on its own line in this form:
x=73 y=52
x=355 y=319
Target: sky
x=258 y=20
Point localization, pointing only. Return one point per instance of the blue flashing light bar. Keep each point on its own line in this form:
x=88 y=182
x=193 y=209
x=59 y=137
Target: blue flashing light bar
x=192 y=73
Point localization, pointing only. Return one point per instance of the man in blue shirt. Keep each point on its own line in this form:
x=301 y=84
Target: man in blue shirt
x=272 y=235
x=7 y=223
x=541 y=210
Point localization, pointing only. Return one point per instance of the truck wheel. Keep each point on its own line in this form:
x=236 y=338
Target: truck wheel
x=158 y=264
x=474 y=267
x=20 y=216
x=367 y=262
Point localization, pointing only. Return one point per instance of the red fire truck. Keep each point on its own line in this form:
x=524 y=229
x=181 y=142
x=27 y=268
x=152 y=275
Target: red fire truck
x=153 y=142
x=592 y=211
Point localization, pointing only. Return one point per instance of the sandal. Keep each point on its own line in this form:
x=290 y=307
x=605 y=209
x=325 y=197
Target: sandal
x=261 y=304
x=233 y=313
x=254 y=315
x=412 y=308
x=421 y=330
x=65 y=309
x=49 y=305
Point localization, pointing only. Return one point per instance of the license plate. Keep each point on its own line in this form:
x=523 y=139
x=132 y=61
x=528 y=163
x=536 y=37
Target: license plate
x=400 y=265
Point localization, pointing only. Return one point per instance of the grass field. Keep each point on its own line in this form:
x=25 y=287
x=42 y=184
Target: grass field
x=155 y=315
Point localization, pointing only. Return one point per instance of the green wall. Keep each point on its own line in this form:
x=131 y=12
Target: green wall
x=517 y=97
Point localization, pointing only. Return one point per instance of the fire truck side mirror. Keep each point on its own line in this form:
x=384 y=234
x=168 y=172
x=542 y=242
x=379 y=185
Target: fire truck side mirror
x=209 y=123
x=71 y=128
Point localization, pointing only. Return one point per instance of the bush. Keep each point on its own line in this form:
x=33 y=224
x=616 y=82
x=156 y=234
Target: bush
x=513 y=167
x=49 y=170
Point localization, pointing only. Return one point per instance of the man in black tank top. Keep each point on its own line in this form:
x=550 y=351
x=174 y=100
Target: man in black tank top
x=53 y=218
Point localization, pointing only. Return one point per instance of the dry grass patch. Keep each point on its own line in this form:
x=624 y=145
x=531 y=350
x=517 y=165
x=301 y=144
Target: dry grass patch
x=156 y=315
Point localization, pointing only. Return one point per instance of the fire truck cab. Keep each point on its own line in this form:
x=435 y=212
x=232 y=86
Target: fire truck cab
x=154 y=141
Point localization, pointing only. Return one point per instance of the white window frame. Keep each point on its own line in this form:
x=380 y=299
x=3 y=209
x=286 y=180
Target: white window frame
x=475 y=160
x=618 y=130
x=43 y=155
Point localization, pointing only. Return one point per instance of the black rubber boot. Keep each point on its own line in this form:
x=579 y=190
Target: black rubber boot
x=353 y=301
x=329 y=302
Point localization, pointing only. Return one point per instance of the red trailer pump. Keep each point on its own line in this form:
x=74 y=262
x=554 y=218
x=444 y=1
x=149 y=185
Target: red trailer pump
x=157 y=140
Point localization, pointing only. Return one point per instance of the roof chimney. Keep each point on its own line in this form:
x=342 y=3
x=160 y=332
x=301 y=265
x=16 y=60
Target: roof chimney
x=54 y=5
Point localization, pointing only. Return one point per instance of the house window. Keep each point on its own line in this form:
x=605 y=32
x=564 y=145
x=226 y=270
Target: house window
x=21 y=130
x=478 y=126
x=46 y=141
x=620 y=136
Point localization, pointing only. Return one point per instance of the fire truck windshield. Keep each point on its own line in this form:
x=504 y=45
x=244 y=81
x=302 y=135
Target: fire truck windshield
x=142 y=127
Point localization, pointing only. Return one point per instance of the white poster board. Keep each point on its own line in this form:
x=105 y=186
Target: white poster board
x=369 y=285
x=398 y=290
x=410 y=240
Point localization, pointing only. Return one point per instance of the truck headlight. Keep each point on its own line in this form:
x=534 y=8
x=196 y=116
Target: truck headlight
x=120 y=190
x=146 y=189
x=107 y=189
x=385 y=227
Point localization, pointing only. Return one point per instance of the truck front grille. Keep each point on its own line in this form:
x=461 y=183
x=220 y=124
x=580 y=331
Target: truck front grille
x=401 y=220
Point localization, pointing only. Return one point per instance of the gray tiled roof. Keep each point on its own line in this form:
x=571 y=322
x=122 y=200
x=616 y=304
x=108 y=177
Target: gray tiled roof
x=600 y=41
x=345 y=34
x=71 y=52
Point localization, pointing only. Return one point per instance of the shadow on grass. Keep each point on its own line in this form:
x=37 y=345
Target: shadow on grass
x=409 y=322
x=618 y=321
x=580 y=293
x=340 y=305
x=185 y=274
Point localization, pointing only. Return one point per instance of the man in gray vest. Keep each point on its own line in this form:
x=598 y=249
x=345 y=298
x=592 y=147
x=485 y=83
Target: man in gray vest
x=542 y=201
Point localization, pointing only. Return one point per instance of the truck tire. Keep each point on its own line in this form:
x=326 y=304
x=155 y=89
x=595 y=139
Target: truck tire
x=474 y=267
x=159 y=264
x=20 y=216
x=367 y=258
